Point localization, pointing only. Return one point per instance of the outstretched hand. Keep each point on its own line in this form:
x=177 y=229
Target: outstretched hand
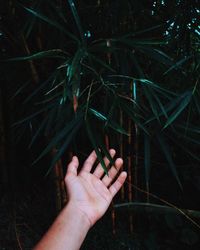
x=92 y=193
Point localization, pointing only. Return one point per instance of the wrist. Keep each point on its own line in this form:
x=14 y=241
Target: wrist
x=78 y=215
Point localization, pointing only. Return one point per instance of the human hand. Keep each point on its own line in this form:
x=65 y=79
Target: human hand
x=91 y=193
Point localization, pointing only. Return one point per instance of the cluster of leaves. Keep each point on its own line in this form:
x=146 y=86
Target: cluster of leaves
x=98 y=73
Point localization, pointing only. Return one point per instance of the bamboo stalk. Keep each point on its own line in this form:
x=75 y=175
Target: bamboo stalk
x=61 y=196
x=136 y=159
x=130 y=195
x=136 y=141
x=4 y=173
x=121 y=153
x=112 y=204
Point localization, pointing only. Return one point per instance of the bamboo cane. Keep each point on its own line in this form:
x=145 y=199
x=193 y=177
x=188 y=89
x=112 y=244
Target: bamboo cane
x=130 y=195
x=121 y=151
x=112 y=205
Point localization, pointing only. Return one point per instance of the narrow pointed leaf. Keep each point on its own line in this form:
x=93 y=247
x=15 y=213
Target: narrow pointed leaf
x=19 y=90
x=178 y=64
x=64 y=146
x=54 y=53
x=77 y=19
x=41 y=127
x=99 y=61
x=95 y=145
x=181 y=145
x=60 y=135
x=168 y=155
x=152 y=207
x=109 y=123
x=28 y=118
x=51 y=22
x=184 y=103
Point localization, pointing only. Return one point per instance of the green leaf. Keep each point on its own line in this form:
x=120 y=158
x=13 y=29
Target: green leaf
x=97 y=114
x=62 y=149
x=53 y=53
x=51 y=22
x=66 y=131
x=101 y=62
x=143 y=31
x=75 y=63
x=41 y=127
x=135 y=42
x=190 y=128
x=158 y=55
x=171 y=105
x=184 y=103
x=133 y=115
x=162 y=108
x=77 y=19
x=181 y=145
x=168 y=155
x=104 y=150
x=178 y=64
x=152 y=207
x=28 y=118
x=94 y=142
x=39 y=88
x=109 y=123
x=187 y=138
x=19 y=90
x=151 y=101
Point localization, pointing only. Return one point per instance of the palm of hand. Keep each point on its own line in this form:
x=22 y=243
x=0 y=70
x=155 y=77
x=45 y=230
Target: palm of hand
x=87 y=192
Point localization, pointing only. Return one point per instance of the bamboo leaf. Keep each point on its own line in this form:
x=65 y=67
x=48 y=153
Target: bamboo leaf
x=135 y=42
x=188 y=138
x=19 y=90
x=157 y=55
x=104 y=150
x=66 y=131
x=39 y=88
x=28 y=118
x=75 y=63
x=184 y=103
x=143 y=31
x=64 y=146
x=190 y=128
x=101 y=62
x=96 y=146
x=162 y=108
x=77 y=19
x=41 y=127
x=53 y=53
x=98 y=115
x=151 y=101
x=152 y=207
x=178 y=64
x=181 y=145
x=166 y=151
x=109 y=123
x=51 y=22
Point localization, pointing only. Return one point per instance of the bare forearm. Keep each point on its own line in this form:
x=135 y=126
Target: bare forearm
x=67 y=232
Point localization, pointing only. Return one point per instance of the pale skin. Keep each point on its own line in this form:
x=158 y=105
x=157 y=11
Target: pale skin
x=90 y=194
